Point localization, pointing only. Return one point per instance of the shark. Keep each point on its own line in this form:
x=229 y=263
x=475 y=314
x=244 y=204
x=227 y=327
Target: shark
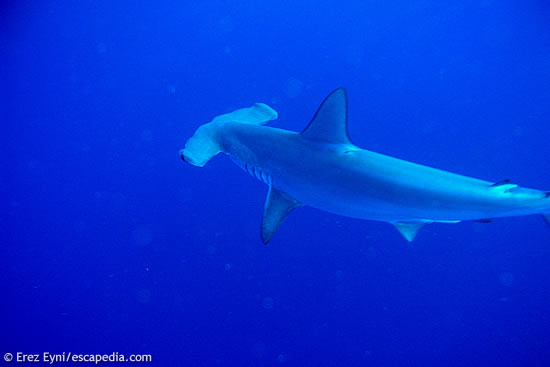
x=321 y=167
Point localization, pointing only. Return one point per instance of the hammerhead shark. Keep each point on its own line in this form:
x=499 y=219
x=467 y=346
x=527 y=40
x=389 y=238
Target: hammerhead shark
x=322 y=168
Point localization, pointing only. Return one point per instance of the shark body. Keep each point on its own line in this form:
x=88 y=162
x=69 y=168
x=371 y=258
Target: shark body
x=322 y=168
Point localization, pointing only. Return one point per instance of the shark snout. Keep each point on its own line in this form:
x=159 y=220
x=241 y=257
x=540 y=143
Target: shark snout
x=182 y=156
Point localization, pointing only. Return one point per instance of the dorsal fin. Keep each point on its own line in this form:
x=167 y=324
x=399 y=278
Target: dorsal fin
x=330 y=123
x=278 y=206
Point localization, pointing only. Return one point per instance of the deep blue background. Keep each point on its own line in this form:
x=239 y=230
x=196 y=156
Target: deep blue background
x=110 y=243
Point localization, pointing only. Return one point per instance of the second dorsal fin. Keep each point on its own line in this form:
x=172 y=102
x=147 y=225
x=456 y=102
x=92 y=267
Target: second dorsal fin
x=503 y=186
x=330 y=123
x=501 y=182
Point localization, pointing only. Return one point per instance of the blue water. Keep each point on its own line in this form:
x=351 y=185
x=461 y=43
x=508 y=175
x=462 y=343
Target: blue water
x=110 y=243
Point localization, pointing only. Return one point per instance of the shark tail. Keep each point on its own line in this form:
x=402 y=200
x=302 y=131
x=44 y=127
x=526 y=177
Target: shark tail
x=205 y=143
x=546 y=215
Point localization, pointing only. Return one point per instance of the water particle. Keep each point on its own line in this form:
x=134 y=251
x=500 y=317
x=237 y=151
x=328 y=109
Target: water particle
x=293 y=87
x=267 y=303
x=518 y=131
x=507 y=279
x=260 y=349
x=101 y=48
x=142 y=236
x=143 y=295
x=146 y=135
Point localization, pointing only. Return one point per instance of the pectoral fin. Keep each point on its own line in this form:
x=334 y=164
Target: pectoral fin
x=278 y=206
x=409 y=229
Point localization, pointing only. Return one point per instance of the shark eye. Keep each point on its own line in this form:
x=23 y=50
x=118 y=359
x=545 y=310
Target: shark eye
x=181 y=155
